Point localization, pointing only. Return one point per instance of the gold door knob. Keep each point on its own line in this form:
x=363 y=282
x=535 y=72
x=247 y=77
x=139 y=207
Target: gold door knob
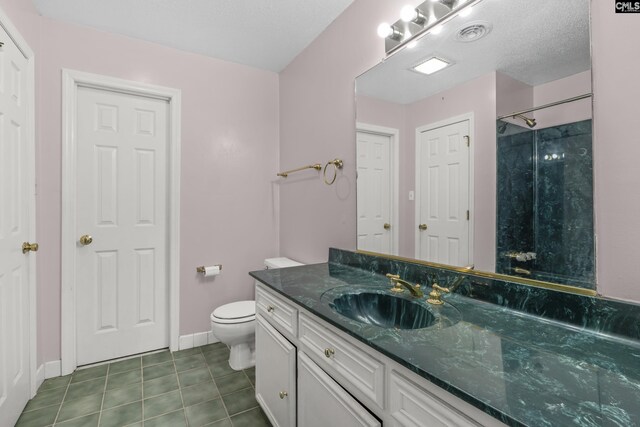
x=328 y=352
x=26 y=247
x=387 y=226
x=270 y=309
x=422 y=227
x=86 y=240
x=283 y=394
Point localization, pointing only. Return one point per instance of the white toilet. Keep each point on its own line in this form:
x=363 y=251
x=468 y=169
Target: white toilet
x=234 y=324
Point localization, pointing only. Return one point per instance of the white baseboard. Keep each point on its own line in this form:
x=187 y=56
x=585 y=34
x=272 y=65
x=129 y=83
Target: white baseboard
x=39 y=376
x=52 y=369
x=196 y=340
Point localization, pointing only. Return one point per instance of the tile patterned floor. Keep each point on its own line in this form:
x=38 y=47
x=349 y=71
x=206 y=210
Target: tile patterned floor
x=194 y=387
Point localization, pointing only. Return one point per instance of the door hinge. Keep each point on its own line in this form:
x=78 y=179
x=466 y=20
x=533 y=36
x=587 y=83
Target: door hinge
x=467 y=215
x=467 y=139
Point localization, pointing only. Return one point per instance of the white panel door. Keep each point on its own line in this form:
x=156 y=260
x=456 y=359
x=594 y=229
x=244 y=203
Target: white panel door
x=374 y=229
x=322 y=402
x=121 y=276
x=442 y=196
x=14 y=230
x=275 y=375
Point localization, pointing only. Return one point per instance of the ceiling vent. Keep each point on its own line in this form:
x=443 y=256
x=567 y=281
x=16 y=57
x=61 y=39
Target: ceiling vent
x=473 y=31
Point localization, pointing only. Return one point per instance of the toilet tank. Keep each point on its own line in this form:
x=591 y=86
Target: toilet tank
x=280 y=263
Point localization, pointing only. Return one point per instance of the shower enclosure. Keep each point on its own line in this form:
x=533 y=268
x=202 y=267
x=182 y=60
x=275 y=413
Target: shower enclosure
x=545 y=228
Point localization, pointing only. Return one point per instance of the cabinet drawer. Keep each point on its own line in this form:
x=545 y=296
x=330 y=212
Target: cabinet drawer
x=412 y=406
x=352 y=366
x=279 y=313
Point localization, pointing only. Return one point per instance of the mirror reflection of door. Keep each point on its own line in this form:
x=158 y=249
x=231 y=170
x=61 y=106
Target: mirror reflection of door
x=443 y=194
x=374 y=153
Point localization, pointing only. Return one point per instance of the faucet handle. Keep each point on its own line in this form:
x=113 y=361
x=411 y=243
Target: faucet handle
x=440 y=288
x=393 y=276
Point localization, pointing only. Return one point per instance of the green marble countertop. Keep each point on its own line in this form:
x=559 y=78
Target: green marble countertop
x=519 y=368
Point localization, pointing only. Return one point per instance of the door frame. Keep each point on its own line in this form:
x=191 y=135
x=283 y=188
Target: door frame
x=71 y=81
x=394 y=139
x=425 y=128
x=22 y=45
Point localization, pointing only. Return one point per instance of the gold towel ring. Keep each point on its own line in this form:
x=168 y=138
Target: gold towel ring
x=337 y=164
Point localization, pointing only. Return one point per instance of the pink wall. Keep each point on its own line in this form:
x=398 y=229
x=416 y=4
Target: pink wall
x=578 y=84
x=512 y=95
x=616 y=150
x=229 y=158
x=317 y=124
x=316 y=114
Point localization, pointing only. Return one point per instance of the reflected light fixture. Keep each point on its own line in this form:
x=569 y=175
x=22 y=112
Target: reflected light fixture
x=466 y=11
x=436 y=30
x=431 y=65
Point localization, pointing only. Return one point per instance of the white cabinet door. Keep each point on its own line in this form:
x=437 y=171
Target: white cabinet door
x=322 y=402
x=275 y=375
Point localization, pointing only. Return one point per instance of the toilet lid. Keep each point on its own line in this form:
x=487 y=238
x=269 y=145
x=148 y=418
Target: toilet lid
x=239 y=311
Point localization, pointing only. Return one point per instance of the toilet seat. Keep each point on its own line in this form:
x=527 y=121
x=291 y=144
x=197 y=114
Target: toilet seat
x=235 y=312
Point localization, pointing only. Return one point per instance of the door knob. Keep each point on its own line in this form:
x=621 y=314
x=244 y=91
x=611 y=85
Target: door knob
x=86 y=240
x=422 y=227
x=26 y=247
x=283 y=394
x=387 y=226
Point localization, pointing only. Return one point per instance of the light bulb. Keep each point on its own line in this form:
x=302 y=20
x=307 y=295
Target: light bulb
x=466 y=11
x=436 y=30
x=408 y=13
x=384 y=30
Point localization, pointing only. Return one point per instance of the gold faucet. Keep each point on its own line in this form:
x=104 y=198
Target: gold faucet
x=399 y=283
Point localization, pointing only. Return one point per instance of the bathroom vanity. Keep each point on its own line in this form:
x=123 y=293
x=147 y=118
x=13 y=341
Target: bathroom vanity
x=481 y=360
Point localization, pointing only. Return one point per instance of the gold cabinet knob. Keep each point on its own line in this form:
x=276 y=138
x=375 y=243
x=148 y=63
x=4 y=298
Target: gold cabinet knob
x=86 y=240
x=387 y=226
x=329 y=352
x=29 y=247
x=422 y=227
x=283 y=394
x=270 y=309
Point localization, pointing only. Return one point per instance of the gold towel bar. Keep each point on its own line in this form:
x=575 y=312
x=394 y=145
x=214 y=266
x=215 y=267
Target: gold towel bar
x=284 y=174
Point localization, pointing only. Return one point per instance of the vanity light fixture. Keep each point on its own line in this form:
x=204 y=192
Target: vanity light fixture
x=412 y=14
x=389 y=31
x=431 y=65
x=425 y=18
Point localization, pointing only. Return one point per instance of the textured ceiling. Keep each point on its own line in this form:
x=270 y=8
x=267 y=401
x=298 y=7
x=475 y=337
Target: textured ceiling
x=265 y=34
x=534 y=42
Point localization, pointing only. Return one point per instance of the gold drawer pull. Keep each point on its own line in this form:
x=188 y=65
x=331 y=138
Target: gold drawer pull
x=270 y=309
x=329 y=352
x=283 y=394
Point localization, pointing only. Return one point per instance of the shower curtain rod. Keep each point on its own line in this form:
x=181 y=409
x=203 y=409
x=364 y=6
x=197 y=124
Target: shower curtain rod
x=553 y=104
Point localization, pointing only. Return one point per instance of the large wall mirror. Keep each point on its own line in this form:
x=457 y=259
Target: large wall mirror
x=474 y=144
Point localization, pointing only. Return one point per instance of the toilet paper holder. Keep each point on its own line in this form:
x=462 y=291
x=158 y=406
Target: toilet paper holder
x=201 y=268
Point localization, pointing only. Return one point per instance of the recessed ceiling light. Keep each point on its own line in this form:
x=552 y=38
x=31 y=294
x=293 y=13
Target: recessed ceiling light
x=431 y=65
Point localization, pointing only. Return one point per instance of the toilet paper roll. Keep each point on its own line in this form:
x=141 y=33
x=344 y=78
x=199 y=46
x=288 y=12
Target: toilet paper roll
x=213 y=270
